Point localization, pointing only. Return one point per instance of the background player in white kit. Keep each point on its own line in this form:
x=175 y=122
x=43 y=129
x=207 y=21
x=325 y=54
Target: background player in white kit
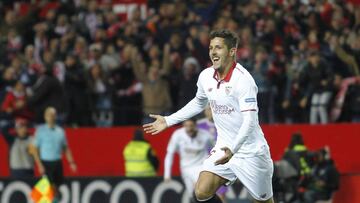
x=207 y=124
x=241 y=150
x=192 y=145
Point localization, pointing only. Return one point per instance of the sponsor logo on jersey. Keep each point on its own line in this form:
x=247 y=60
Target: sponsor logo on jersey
x=220 y=109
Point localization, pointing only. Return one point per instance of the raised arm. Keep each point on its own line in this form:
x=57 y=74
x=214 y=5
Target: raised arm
x=166 y=66
x=137 y=64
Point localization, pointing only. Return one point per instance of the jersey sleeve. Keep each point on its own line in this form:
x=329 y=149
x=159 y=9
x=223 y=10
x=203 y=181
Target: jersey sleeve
x=248 y=97
x=248 y=107
x=194 y=107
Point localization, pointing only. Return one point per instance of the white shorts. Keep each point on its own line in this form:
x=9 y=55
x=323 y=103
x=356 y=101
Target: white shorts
x=255 y=173
x=190 y=175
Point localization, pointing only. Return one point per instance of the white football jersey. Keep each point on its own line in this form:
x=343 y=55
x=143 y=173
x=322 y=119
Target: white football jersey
x=233 y=103
x=192 y=151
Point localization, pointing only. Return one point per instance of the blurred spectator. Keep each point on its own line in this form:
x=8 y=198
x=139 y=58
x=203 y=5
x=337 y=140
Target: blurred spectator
x=76 y=93
x=155 y=88
x=317 y=79
x=294 y=92
x=260 y=71
x=187 y=80
x=293 y=170
x=298 y=155
x=353 y=102
x=7 y=80
x=15 y=103
x=100 y=97
x=47 y=91
x=140 y=158
x=126 y=95
x=110 y=60
x=49 y=145
x=20 y=151
x=325 y=179
x=197 y=44
x=95 y=34
x=192 y=145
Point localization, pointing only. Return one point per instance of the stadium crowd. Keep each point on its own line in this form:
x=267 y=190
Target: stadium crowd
x=98 y=68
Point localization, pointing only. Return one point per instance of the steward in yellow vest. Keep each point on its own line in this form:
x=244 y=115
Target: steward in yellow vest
x=140 y=158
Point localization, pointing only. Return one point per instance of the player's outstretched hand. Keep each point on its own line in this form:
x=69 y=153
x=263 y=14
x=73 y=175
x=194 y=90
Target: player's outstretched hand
x=157 y=126
x=227 y=156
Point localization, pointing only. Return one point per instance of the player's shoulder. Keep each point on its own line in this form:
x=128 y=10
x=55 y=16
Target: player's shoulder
x=207 y=71
x=179 y=132
x=40 y=127
x=201 y=121
x=244 y=76
x=204 y=133
x=241 y=71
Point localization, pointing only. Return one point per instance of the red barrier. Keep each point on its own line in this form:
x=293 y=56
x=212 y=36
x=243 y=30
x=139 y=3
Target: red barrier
x=349 y=191
x=98 y=151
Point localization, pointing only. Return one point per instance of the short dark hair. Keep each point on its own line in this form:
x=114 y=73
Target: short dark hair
x=230 y=38
x=192 y=119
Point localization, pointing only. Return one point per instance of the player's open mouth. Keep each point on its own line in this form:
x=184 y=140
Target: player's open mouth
x=216 y=59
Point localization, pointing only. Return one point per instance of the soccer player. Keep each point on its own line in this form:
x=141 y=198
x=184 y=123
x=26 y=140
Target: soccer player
x=241 y=150
x=192 y=146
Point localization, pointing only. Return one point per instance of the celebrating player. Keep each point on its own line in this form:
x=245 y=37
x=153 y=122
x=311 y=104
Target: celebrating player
x=241 y=150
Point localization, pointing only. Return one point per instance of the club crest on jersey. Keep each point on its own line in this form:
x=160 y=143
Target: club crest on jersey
x=210 y=89
x=227 y=90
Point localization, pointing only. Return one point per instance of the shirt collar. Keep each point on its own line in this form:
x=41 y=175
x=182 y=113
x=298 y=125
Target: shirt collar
x=228 y=75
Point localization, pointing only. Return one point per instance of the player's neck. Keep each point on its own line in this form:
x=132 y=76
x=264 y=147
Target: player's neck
x=223 y=71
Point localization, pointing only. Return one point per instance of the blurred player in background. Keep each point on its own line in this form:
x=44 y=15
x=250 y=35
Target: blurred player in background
x=207 y=123
x=241 y=150
x=192 y=145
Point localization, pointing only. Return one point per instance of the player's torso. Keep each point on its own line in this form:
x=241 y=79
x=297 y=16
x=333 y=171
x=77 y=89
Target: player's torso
x=223 y=100
x=193 y=150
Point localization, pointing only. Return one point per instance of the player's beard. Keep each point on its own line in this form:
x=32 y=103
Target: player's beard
x=217 y=64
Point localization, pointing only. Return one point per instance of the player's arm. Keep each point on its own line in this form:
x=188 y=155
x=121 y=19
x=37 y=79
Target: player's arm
x=138 y=68
x=34 y=149
x=249 y=110
x=194 y=107
x=169 y=158
x=70 y=158
x=69 y=155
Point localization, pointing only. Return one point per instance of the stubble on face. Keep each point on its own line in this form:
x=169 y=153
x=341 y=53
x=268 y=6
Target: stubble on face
x=219 y=53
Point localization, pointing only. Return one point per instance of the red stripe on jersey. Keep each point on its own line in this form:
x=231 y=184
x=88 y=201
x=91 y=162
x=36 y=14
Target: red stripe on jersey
x=248 y=110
